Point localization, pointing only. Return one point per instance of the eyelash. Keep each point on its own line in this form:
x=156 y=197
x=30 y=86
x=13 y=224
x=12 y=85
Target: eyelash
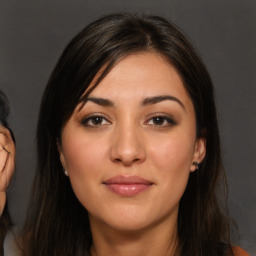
x=86 y=121
x=166 y=121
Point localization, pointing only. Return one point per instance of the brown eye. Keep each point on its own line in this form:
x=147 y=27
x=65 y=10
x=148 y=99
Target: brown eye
x=159 y=120
x=95 y=121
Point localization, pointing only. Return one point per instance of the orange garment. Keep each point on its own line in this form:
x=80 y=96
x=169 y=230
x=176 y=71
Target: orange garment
x=239 y=251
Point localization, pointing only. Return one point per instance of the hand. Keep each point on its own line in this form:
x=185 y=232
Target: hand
x=7 y=163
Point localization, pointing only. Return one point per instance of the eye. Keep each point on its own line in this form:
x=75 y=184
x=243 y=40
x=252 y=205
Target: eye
x=162 y=121
x=95 y=121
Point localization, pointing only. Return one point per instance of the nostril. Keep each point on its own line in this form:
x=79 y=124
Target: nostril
x=127 y=161
x=127 y=148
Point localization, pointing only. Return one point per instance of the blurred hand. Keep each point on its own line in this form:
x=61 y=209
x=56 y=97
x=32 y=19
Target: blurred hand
x=7 y=163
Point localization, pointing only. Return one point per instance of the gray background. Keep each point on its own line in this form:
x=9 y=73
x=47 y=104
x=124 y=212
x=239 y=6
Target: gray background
x=33 y=35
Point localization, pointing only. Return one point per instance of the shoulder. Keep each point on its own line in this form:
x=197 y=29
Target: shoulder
x=239 y=251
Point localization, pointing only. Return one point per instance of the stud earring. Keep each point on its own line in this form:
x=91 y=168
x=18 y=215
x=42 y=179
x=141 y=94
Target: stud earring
x=66 y=172
x=196 y=164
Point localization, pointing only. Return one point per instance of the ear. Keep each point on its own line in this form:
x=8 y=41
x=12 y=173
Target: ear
x=199 y=153
x=62 y=158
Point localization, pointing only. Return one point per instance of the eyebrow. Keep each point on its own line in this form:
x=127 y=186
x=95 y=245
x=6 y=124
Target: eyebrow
x=157 y=99
x=98 y=101
x=147 y=101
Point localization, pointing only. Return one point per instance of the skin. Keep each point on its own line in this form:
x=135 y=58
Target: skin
x=7 y=163
x=128 y=139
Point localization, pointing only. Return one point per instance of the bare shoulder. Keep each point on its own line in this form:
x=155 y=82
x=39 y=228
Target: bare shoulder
x=238 y=251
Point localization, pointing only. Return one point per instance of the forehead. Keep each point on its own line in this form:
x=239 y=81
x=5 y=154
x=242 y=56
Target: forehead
x=140 y=75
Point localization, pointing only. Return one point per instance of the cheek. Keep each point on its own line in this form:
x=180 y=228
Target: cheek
x=172 y=159
x=174 y=154
x=82 y=153
x=83 y=160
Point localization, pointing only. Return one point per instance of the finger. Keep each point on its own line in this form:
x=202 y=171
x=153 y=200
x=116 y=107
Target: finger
x=6 y=150
x=3 y=139
x=9 y=168
x=4 y=131
x=9 y=147
x=3 y=159
x=6 y=140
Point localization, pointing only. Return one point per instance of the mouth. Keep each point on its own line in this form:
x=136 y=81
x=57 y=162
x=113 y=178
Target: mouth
x=127 y=185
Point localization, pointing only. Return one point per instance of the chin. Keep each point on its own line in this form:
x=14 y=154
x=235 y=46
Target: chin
x=128 y=225
x=128 y=218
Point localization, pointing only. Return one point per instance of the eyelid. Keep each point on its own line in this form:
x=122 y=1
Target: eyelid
x=91 y=116
x=171 y=121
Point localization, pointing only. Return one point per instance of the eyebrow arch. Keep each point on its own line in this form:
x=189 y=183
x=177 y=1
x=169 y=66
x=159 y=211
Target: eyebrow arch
x=147 y=101
x=99 y=101
x=157 y=99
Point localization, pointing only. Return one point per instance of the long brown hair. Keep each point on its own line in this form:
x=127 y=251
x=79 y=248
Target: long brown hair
x=57 y=224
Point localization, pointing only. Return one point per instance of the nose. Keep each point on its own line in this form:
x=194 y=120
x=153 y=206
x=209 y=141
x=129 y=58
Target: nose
x=127 y=146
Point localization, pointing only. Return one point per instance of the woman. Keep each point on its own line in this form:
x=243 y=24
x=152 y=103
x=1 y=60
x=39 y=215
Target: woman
x=129 y=155
x=7 y=163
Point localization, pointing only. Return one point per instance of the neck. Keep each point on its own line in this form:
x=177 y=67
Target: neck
x=151 y=241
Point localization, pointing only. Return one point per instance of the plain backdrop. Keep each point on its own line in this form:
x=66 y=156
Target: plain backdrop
x=34 y=33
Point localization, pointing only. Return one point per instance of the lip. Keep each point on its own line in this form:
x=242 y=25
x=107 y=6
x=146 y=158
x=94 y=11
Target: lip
x=127 y=185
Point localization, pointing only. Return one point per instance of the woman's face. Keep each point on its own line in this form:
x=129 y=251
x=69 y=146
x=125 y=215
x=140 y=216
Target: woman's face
x=129 y=150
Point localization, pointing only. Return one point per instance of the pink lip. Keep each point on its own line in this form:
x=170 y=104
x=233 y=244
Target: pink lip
x=127 y=186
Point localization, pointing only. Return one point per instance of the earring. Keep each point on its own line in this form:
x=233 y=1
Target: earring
x=196 y=164
x=66 y=172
